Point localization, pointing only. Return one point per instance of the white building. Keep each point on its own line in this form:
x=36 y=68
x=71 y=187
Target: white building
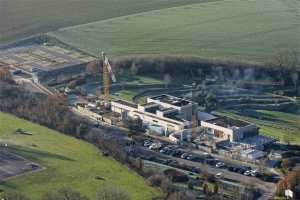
x=170 y=113
x=225 y=128
x=183 y=106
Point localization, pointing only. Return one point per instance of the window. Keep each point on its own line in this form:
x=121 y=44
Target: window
x=218 y=134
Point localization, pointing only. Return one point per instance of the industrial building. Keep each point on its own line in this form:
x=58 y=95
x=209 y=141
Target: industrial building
x=225 y=128
x=44 y=60
x=165 y=113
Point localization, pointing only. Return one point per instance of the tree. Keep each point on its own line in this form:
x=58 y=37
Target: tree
x=205 y=189
x=64 y=194
x=216 y=188
x=133 y=69
x=14 y=196
x=93 y=69
x=5 y=74
x=287 y=138
x=286 y=58
x=81 y=130
x=111 y=193
x=295 y=79
x=167 y=80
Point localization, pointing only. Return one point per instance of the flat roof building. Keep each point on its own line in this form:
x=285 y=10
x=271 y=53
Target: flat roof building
x=169 y=112
x=225 y=128
x=183 y=106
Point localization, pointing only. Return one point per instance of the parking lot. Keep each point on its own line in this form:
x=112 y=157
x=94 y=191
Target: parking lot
x=184 y=159
x=12 y=165
x=177 y=151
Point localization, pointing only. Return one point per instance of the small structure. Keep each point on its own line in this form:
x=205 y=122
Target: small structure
x=252 y=154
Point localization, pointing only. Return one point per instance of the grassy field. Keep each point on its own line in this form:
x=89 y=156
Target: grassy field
x=19 y=18
x=237 y=29
x=277 y=124
x=126 y=95
x=68 y=162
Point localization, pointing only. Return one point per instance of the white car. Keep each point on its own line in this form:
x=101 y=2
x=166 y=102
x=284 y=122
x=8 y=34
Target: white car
x=247 y=173
x=155 y=146
x=254 y=172
x=219 y=175
x=220 y=164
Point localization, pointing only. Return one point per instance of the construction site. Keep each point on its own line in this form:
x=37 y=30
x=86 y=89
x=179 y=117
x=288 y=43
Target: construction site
x=166 y=123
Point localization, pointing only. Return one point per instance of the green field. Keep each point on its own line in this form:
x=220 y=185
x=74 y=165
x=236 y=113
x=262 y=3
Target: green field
x=68 y=161
x=238 y=29
x=19 y=18
x=280 y=125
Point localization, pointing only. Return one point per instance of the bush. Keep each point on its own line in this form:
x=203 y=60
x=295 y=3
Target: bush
x=176 y=176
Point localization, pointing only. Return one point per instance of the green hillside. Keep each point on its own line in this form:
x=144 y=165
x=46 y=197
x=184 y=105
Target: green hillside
x=19 y=18
x=239 y=29
x=68 y=161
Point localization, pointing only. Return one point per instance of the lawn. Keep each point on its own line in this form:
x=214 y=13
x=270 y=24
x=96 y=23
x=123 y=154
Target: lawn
x=126 y=95
x=280 y=125
x=19 y=18
x=238 y=29
x=68 y=161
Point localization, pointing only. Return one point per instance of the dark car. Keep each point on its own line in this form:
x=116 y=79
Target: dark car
x=196 y=170
x=211 y=161
x=232 y=168
x=243 y=169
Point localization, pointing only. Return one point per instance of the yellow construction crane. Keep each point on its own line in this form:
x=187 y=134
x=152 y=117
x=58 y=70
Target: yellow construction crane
x=107 y=73
x=194 y=113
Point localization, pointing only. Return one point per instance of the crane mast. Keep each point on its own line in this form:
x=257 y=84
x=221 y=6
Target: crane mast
x=105 y=77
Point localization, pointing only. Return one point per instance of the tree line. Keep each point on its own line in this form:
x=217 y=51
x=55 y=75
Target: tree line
x=51 y=111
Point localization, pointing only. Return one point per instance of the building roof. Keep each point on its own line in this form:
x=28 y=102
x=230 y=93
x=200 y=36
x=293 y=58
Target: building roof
x=159 y=118
x=175 y=101
x=149 y=104
x=203 y=116
x=258 y=140
x=152 y=109
x=174 y=116
x=227 y=122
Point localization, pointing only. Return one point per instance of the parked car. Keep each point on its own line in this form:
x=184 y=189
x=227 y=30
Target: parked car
x=233 y=168
x=196 y=170
x=183 y=156
x=254 y=172
x=211 y=161
x=220 y=164
x=247 y=173
x=219 y=175
x=155 y=146
x=147 y=143
x=191 y=157
x=177 y=153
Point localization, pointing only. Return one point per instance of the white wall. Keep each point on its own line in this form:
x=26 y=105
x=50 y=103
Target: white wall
x=227 y=132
